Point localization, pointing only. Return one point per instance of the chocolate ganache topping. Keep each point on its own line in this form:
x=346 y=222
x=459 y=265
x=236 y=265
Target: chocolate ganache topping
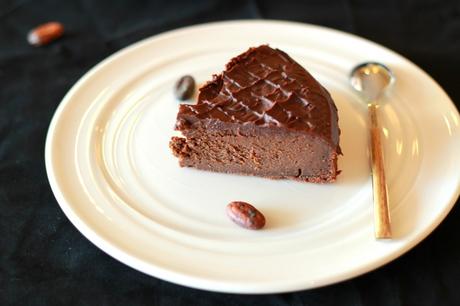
x=265 y=87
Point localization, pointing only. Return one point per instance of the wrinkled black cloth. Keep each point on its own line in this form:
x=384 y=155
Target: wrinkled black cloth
x=44 y=260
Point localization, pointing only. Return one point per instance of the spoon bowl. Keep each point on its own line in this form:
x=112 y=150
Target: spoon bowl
x=371 y=80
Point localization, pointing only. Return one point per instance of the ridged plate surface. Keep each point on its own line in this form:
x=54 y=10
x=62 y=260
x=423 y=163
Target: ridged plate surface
x=111 y=170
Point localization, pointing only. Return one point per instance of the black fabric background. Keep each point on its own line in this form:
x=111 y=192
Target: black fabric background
x=44 y=260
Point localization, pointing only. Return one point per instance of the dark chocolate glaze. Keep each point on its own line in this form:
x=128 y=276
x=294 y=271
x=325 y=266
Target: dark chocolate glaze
x=265 y=87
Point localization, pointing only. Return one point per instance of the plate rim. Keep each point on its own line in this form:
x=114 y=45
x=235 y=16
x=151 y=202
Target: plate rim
x=200 y=282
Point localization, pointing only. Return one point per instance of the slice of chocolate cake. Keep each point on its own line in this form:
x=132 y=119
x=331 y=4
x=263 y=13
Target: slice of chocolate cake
x=265 y=115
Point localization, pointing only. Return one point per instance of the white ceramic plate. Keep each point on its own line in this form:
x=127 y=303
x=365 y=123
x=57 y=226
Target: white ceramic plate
x=111 y=170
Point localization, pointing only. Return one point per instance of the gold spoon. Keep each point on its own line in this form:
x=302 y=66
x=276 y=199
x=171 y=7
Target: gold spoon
x=371 y=80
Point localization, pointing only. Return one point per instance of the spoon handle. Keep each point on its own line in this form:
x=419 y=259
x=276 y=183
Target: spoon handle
x=382 y=226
